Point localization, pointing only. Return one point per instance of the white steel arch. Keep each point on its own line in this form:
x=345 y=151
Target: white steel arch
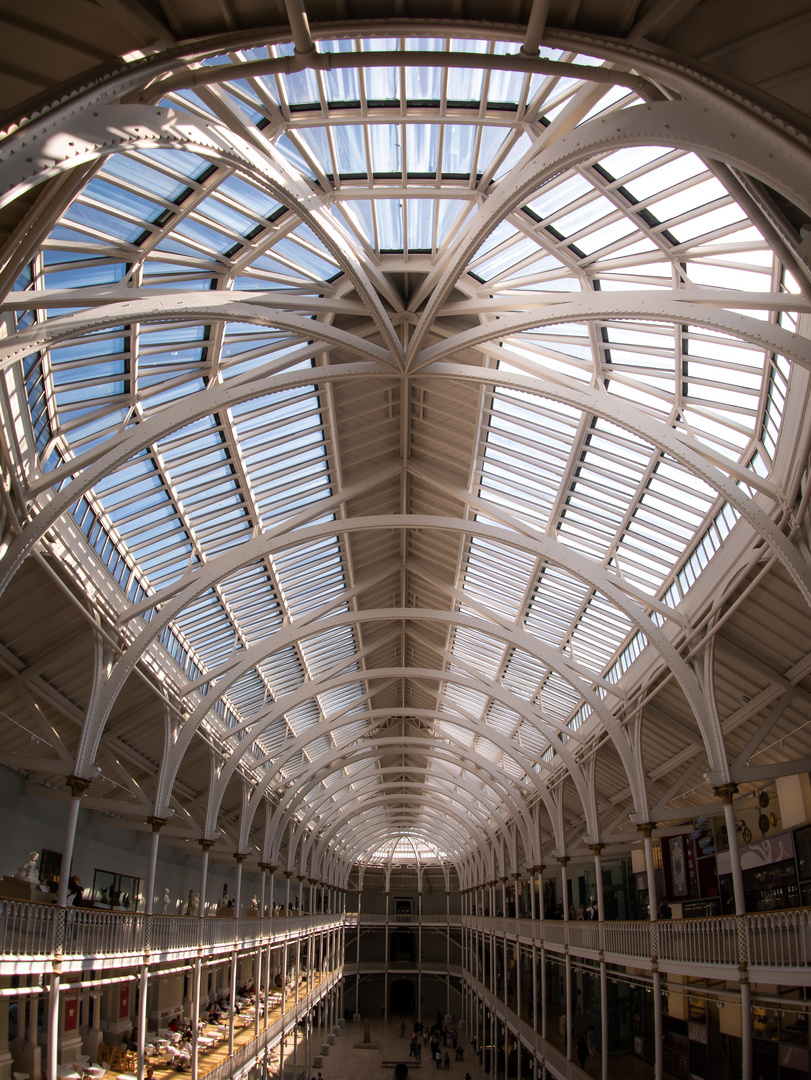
x=271 y=406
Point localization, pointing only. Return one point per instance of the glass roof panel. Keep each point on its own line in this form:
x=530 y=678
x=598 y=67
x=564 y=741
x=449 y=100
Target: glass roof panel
x=402 y=181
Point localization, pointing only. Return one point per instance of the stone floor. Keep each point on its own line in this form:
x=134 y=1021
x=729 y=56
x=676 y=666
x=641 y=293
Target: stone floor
x=344 y=1062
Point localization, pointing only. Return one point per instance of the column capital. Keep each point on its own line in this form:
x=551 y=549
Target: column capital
x=726 y=793
x=563 y=859
x=205 y=844
x=240 y=857
x=78 y=785
x=288 y=874
x=596 y=849
x=268 y=866
x=646 y=828
x=516 y=877
x=156 y=822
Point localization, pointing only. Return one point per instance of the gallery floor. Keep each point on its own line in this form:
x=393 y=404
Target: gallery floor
x=344 y=1062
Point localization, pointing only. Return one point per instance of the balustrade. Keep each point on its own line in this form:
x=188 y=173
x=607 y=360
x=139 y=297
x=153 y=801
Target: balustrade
x=38 y=932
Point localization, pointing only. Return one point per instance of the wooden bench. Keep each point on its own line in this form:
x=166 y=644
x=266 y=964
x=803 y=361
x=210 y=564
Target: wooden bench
x=411 y=1063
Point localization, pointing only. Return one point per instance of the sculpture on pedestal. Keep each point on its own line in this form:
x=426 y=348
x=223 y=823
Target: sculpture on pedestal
x=165 y=907
x=29 y=871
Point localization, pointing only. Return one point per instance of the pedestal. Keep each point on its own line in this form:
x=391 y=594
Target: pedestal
x=318 y=1062
x=355 y=1018
x=12 y=888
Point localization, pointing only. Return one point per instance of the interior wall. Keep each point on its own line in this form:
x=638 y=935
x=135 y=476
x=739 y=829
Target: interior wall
x=31 y=823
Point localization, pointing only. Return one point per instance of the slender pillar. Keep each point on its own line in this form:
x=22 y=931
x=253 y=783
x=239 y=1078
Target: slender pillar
x=78 y=786
x=53 y=1019
x=157 y=824
x=646 y=829
x=206 y=845
x=240 y=859
x=534 y=989
x=597 y=850
x=284 y=978
x=195 y=1014
x=746 y=1028
x=504 y=966
x=726 y=793
x=604 y=1047
x=569 y=1017
x=268 y=956
x=518 y=988
x=543 y=994
x=657 y=1022
x=653 y=911
x=257 y=1008
x=143 y=988
x=386 y=970
x=271 y=885
x=232 y=999
x=564 y=884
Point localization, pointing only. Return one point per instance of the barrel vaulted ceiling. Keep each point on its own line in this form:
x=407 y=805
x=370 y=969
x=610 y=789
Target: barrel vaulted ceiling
x=404 y=423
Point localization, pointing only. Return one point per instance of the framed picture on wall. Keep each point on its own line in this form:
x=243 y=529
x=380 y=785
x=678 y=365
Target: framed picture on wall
x=50 y=866
x=678 y=866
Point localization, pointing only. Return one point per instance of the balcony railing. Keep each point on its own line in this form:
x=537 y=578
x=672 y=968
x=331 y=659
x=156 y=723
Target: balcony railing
x=777 y=941
x=33 y=934
x=30 y=934
x=247 y=1054
x=380 y=919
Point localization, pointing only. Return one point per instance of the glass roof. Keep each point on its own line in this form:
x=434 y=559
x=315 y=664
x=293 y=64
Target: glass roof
x=399 y=162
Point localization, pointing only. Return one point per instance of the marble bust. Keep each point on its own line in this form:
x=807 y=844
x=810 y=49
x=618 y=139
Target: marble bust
x=29 y=871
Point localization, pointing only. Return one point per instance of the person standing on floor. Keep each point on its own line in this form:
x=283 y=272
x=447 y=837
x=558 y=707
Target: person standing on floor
x=591 y=1041
x=582 y=1051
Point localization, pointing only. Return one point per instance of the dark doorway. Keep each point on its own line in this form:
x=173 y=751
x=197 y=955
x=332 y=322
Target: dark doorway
x=402 y=997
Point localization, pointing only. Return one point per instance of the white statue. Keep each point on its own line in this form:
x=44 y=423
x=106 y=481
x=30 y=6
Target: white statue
x=254 y=904
x=165 y=908
x=29 y=871
x=192 y=904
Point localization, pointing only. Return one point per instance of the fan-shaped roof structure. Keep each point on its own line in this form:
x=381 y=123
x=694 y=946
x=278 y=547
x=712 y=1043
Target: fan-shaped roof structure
x=405 y=435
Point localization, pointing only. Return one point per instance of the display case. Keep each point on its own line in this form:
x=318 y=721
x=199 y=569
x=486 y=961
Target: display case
x=771 y=888
x=119 y=892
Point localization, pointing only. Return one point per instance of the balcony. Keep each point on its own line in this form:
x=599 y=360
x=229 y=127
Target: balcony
x=776 y=945
x=32 y=935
